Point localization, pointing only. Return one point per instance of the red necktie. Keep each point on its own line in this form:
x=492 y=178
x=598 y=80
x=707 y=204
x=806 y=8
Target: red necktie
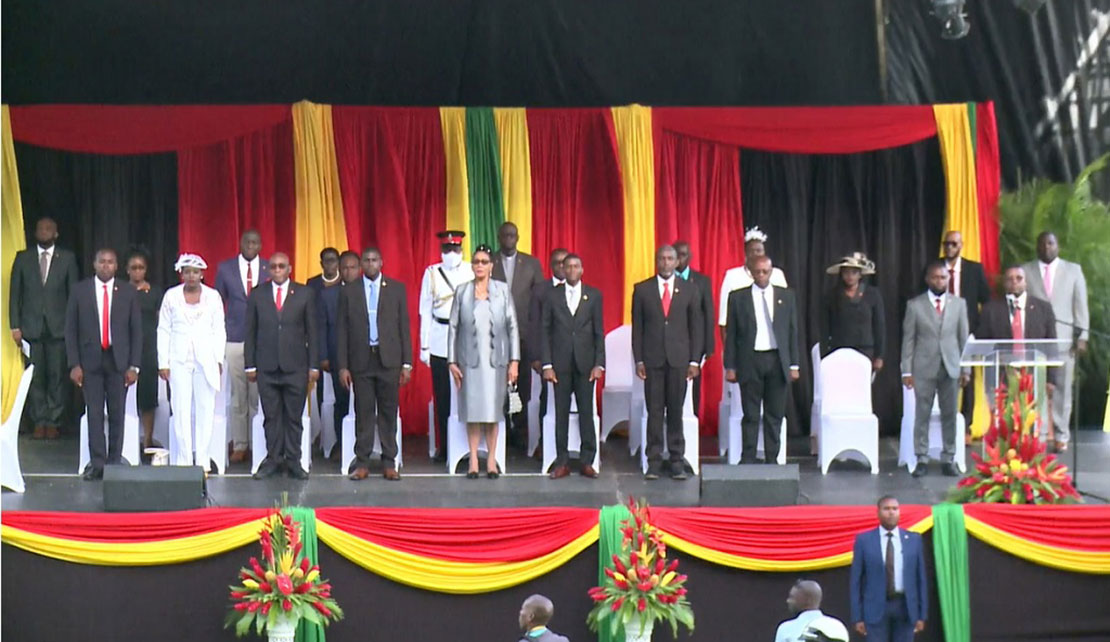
x=277 y=298
x=951 y=281
x=666 y=298
x=1047 y=283
x=249 y=278
x=1017 y=332
x=104 y=342
x=939 y=311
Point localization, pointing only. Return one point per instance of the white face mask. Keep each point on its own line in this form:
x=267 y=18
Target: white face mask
x=451 y=259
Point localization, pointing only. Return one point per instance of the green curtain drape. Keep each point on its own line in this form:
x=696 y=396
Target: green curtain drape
x=483 y=169
x=608 y=543
x=950 y=558
x=307 y=631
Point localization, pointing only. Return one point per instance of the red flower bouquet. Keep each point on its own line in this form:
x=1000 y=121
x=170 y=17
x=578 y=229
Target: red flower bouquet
x=1016 y=469
x=283 y=584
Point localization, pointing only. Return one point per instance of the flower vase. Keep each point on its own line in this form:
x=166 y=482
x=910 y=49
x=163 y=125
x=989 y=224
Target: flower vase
x=283 y=630
x=637 y=630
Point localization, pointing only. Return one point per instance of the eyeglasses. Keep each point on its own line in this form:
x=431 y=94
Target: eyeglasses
x=951 y=243
x=278 y=266
x=481 y=261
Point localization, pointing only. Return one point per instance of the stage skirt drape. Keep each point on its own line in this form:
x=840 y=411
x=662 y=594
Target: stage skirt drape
x=950 y=564
x=13 y=240
x=235 y=185
x=133 y=539
x=1068 y=537
x=391 y=170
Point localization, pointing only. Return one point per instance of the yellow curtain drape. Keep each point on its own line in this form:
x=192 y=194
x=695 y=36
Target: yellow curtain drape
x=1043 y=554
x=516 y=172
x=769 y=565
x=637 y=157
x=155 y=553
x=13 y=240
x=453 y=121
x=320 y=220
x=447 y=576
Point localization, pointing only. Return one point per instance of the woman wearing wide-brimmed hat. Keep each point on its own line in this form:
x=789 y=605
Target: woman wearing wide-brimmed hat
x=854 y=315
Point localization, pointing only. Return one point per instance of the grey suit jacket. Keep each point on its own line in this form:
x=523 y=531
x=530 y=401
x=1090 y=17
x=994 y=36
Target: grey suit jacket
x=462 y=334
x=1069 y=295
x=929 y=340
x=527 y=274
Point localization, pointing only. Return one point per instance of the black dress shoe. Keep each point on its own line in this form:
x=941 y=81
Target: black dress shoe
x=653 y=472
x=92 y=473
x=678 y=473
x=921 y=470
x=265 y=471
x=949 y=470
x=296 y=472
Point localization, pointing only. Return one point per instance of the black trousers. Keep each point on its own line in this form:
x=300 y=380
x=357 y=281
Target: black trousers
x=45 y=403
x=665 y=392
x=441 y=395
x=104 y=385
x=766 y=387
x=967 y=407
x=578 y=384
x=283 y=396
x=377 y=390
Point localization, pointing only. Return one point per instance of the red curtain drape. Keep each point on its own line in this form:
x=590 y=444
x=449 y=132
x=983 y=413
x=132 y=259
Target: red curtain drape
x=801 y=130
x=988 y=181
x=577 y=197
x=1078 y=527
x=132 y=527
x=779 y=533
x=134 y=129
x=697 y=199
x=391 y=171
x=238 y=184
x=465 y=535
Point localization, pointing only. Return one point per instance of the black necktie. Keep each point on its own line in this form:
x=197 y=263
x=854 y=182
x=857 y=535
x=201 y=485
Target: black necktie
x=890 y=592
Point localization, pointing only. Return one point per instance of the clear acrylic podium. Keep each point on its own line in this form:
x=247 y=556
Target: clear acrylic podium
x=997 y=355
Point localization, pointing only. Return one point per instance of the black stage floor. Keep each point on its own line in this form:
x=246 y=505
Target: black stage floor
x=49 y=466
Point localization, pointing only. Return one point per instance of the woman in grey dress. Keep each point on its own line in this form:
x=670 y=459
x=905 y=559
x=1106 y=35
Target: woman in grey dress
x=483 y=354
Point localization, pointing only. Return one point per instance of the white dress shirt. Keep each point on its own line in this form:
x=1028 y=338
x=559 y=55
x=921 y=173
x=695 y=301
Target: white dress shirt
x=255 y=267
x=556 y=282
x=792 y=630
x=508 y=263
x=1019 y=303
x=111 y=283
x=282 y=290
x=574 y=296
x=763 y=333
x=49 y=252
x=896 y=541
x=934 y=297
x=670 y=285
x=738 y=278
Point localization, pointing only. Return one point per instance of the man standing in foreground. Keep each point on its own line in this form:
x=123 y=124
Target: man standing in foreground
x=804 y=602
x=535 y=615
x=280 y=354
x=888 y=591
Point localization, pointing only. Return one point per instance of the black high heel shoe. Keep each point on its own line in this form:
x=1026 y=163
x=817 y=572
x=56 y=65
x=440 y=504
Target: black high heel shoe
x=473 y=474
x=494 y=474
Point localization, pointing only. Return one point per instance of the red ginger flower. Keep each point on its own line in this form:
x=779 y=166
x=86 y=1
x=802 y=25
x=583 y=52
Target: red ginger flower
x=284 y=584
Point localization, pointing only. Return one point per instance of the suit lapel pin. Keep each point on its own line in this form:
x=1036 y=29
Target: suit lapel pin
x=585 y=297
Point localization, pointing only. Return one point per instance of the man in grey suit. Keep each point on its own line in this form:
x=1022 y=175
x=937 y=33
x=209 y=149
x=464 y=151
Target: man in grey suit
x=934 y=333
x=1062 y=284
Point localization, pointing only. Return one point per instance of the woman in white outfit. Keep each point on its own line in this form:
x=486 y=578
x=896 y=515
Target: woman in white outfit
x=191 y=339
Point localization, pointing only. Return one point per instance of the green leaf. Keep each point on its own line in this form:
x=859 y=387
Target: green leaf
x=244 y=624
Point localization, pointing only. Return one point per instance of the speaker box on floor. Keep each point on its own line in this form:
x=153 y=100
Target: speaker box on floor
x=153 y=488
x=749 y=485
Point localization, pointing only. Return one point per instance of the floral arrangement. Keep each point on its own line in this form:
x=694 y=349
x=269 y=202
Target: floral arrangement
x=1016 y=469
x=283 y=585
x=641 y=583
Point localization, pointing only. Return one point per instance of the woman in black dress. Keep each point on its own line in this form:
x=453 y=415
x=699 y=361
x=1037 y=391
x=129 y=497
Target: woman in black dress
x=854 y=315
x=150 y=300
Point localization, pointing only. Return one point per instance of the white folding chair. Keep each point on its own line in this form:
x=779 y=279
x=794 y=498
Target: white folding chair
x=906 y=455
x=130 y=432
x=574 y=435
x=162 y=413
x=848 y=427
x=734 y=437
x=457 y=445
x=347 y=448
x=431 y=430
x=815 y=408
x=689 y=432
x=217 y=444
x=327 y=415
x=11 y=475
x=620 y=374
x=258 y=440
x=724 y=411
x=534 y=414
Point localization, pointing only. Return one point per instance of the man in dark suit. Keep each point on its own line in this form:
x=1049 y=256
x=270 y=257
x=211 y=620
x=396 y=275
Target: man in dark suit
x=236 y=278
x=523 y=273
x=967 y=280
x=667 y=337
x=889 y=594
x=281 y=355
x=705 y=291
x=762 y=355
x=573 y=347
x=42 y=277
x=104 y=343
x=328 y=305
x=375 y=356
x=1018 y=316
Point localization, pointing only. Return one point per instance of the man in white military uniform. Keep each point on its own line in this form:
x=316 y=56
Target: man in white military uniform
x=437 y=292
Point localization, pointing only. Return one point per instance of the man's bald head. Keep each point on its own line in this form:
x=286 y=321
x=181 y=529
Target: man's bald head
x=280 y=267
x=537 y=610
x=805 y=595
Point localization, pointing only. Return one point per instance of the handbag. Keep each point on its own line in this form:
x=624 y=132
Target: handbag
x=513 y=400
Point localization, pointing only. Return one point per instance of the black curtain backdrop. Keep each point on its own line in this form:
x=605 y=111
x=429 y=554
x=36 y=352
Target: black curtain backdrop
x=104 y=201
x=549 y=53
x=817 y=208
